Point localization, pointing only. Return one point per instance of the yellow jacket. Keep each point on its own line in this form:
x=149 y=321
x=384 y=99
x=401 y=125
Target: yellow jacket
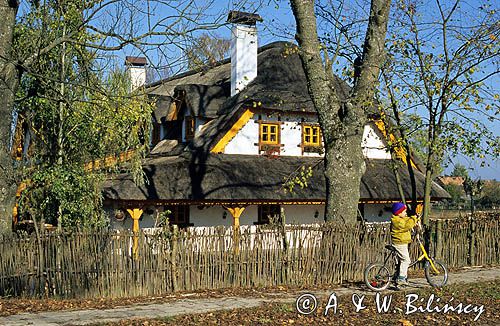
x=401 y=228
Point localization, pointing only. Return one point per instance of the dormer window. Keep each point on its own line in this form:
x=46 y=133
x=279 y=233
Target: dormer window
x=312 y=141
x=269 y=133
x=269 y=138
x=190 y=127
x=311 y=135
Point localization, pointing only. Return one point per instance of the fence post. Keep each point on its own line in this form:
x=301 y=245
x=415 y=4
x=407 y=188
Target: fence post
x=286 y=262
x=174 y=257
x=439 y=239
x=471 y=238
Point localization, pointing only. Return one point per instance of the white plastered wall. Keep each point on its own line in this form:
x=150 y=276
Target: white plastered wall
x=147 y=219
x=304 y=214
x=246 y=140
x=137 y=76
x=217 y=215
x=295 y=214
x=209 y=216
x=243 y=56
x=377 y=213
x=373 y=145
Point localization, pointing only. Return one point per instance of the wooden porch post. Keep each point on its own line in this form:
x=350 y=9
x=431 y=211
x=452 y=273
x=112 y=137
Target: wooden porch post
x=236 y=212
x=135 y=213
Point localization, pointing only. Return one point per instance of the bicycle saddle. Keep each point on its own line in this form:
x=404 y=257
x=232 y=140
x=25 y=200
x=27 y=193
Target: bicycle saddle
x=390 y=247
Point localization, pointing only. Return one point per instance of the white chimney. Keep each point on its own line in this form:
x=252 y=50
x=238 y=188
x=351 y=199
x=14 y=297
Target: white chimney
x=136 y=69
x=243 y=49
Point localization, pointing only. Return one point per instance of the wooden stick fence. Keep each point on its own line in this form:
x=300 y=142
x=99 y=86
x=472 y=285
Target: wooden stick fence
x=101 y=264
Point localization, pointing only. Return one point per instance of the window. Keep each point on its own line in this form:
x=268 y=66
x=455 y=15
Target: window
x=311 y=135
x=190 y=127
x=266 y=213
x=269 y=133
x=179 y=215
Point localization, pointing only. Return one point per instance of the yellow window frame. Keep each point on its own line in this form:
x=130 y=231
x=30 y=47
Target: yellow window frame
x=269 y=133
x=311 y=135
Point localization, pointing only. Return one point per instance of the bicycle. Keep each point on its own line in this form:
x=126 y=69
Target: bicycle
x=377 y=276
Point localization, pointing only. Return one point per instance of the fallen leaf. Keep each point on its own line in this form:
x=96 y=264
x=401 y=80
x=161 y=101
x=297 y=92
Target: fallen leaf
x=405 y=322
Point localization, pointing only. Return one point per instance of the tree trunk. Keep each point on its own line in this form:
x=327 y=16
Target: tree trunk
x=427 y=196
x=342 y=123
x=9 y=81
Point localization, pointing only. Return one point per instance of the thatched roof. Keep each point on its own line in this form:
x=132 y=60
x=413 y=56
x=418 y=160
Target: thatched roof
x=279 y=85
x=203 y=100
x=176 y=173
x=162 y=107
x=222 y=177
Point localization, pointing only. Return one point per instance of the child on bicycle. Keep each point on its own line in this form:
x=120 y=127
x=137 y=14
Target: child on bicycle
x=401 y=226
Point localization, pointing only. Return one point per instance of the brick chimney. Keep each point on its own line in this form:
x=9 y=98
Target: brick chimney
x=243 y=49
x=136 y=69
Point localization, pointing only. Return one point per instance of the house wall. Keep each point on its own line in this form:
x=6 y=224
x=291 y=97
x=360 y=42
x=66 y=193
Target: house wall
x=377 y=212
x=295 y=214
x=147 y=220
x=246 y=140
x=209 y=216
x=373 y=146
x=214 y=216
x=304 y=214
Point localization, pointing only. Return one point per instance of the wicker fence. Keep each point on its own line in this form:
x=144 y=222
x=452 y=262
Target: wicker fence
x=102 y=264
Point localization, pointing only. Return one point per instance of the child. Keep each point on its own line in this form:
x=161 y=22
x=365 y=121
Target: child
x=401 y=226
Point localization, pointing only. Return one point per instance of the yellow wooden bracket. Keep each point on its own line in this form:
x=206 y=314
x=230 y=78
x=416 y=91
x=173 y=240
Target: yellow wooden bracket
x=221 y=145
x=236 y=212
x=135 y=213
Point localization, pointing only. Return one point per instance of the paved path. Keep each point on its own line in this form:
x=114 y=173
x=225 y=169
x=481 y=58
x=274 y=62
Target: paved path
x=187 y=306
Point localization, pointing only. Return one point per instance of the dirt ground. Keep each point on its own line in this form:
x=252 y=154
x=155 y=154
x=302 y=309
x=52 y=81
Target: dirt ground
x=471 y=301
x=470 y=289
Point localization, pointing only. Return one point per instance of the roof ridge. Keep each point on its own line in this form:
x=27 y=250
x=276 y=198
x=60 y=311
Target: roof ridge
x=268 y=46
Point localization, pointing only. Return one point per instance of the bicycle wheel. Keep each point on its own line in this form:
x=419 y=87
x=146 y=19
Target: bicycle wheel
x=436 y=279
x=377 y=277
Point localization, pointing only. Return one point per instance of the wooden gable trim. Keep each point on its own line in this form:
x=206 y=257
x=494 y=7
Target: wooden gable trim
x=222 y=143
x=176 y=106
x=109 y=161
x=173 y=113
x=399 y=150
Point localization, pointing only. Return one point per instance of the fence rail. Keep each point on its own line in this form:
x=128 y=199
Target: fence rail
x=101 y=264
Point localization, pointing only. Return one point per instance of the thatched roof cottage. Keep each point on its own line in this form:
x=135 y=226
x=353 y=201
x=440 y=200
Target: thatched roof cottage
x=230 y=137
